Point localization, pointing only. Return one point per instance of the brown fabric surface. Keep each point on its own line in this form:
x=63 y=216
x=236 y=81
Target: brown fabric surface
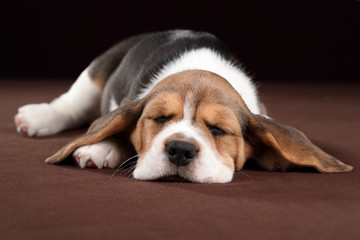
x=40 y=201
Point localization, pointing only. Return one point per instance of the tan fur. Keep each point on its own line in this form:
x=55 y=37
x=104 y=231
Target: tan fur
x=280 y=147
x=163 y=104
x=208 y=111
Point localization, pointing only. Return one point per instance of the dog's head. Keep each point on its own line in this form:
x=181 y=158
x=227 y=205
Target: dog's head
x=195 y=125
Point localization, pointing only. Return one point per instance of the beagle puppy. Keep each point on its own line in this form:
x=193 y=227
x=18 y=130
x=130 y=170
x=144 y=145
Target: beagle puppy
x=180 y=102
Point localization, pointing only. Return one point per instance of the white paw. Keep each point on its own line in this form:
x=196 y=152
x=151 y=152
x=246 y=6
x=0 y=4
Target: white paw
x=104 y=154
x=39 y=120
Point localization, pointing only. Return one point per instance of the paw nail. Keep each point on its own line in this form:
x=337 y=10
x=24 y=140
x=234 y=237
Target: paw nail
x=24 y=129
x=77 y=158
x=90 y=164
x=106 y=164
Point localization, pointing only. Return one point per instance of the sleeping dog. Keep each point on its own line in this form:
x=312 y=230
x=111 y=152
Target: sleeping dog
x=181 y=103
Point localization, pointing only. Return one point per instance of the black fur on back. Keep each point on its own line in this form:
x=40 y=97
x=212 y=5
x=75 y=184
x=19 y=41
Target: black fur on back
x=133 y=62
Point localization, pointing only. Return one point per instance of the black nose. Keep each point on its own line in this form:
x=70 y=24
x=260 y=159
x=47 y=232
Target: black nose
x=180 y=153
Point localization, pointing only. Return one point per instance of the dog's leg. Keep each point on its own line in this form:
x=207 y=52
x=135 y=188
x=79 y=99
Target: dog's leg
x=79 y=105
x=109 y=153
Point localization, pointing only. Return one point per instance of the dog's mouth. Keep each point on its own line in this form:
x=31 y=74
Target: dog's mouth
x=173 y=178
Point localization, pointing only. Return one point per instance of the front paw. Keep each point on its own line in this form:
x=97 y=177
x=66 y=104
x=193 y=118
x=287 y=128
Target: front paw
x=104 y=154
x=39 y=120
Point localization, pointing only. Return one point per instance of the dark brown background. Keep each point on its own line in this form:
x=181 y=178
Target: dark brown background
x=41 y=201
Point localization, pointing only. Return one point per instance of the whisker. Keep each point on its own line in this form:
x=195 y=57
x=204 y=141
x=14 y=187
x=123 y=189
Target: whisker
x=127 y=161
x=245 y=174
x=128 y=172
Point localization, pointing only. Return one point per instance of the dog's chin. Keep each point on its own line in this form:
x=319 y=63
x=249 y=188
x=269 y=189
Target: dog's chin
x=178 y=178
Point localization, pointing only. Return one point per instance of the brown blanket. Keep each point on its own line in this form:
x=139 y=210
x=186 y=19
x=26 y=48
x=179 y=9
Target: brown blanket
x=40 y=201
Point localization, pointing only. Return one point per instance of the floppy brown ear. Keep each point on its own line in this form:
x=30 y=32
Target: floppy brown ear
x=279 y=147
x=120 y=120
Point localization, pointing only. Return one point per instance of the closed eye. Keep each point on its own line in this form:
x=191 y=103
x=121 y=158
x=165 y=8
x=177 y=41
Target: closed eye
x=216 y=131
x=162 y=119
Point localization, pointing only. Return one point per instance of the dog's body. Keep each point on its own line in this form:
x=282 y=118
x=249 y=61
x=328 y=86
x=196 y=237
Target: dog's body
x=180 y=101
